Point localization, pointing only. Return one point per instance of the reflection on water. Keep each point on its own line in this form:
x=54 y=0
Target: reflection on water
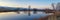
x=21 y=16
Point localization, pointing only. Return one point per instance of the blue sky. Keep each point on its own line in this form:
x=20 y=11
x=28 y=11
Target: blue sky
x=25 y=3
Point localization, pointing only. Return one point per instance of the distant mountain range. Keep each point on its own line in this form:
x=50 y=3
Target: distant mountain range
x=12 y=8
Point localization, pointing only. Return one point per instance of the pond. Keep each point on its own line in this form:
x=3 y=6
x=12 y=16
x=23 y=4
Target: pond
x=21 y=16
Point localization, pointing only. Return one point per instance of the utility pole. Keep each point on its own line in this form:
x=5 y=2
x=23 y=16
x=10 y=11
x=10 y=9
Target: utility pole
x=18 y=11
x=29 y=10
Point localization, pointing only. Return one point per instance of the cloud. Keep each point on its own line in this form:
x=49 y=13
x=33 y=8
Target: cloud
x=12 y=3
x=9 y=4
x=23 y=3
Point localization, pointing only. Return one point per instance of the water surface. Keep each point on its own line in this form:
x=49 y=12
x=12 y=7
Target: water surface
x=21 y=16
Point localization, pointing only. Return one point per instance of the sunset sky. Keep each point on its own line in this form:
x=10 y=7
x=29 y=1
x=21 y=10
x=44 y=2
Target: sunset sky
x=25 y=3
